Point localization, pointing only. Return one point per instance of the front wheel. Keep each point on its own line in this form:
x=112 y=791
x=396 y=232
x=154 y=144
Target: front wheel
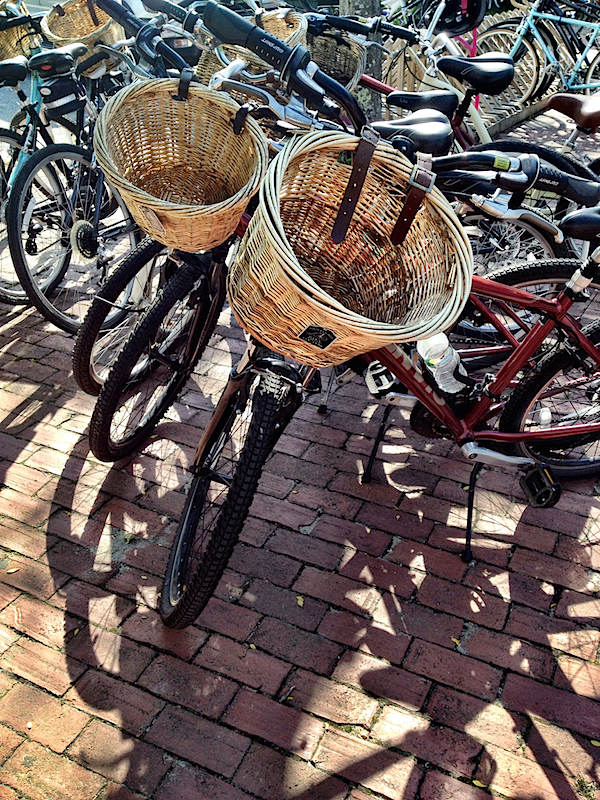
x=562 y=390
x=67 y=229
x=224 y=483
x=155 y=362
x=130 y=290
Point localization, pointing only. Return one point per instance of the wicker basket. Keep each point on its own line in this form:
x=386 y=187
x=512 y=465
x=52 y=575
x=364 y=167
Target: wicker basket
x=82 y=21
x=340 y=56
x=182 y=171
x=322 y=303
x=17 y=40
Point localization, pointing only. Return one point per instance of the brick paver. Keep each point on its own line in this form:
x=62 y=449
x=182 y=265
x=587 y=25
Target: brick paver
x=348 y=651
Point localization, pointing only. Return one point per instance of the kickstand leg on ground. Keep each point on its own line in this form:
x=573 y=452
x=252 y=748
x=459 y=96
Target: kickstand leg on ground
x=322 y=409
x=366 y=478
x=467 y=553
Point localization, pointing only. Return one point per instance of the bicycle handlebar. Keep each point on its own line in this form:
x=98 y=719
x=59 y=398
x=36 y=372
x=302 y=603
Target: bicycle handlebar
x=291 y=62
x=147 y=36
x=318 y=22
x=580 y=190
x=188 y=19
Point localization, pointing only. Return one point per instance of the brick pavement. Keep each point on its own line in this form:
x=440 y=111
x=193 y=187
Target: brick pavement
x=348 y=651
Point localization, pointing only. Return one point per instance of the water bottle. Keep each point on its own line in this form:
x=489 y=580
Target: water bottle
x=441 y=359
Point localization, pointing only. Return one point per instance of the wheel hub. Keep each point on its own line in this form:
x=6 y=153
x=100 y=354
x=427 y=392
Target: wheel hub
x=83 y=241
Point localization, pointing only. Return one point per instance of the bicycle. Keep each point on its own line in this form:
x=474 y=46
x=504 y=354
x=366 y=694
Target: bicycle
x=265 y=389
x=466 y=79
x=149 y=371
x=578 y=28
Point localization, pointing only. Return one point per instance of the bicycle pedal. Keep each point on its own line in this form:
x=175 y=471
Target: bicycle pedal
x=380 y=380
x=541 y=487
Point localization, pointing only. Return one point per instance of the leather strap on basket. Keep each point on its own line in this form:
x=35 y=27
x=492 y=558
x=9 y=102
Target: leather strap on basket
x=92 y=10
x=360 y=164
x=420 y=183
x=183 y=88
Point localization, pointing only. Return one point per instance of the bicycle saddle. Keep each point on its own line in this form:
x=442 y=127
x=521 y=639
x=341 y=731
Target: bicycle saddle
x=491 y=73
x=57 y=62
x=582 y=224
x=441 y=100
x=428 y=131
x=583 y=110
x=13 y=70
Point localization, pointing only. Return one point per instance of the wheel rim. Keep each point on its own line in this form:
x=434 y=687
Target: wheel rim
x=65 y=258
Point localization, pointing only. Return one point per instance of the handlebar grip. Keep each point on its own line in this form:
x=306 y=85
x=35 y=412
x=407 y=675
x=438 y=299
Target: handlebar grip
x=345 y=24
x=226 y=25
x=125 y=18
x=580 y=190
x=397 y=32
x=166 y=7
x=230 y=28
x=90 y=62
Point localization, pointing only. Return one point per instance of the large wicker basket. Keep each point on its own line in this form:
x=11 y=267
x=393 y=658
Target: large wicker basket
x=184 y=174
x=322 y=303
x=340 y=56
x=16 y=40
x=80 y=21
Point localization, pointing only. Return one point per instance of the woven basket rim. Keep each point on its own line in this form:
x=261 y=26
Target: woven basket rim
x=338 y=141
x=167 y=85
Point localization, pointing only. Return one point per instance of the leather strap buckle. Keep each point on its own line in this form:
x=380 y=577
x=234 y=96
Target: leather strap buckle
x=420 y=183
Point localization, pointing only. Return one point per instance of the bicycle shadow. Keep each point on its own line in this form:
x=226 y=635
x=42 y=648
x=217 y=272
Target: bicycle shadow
x=114 y=557
x=463 y=713
x=92 y=513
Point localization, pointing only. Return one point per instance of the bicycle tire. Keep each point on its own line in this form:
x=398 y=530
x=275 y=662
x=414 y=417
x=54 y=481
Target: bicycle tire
x=563 y=384
x=60 y=261
x=131 y=288
x=11 y=291
x=496 y=242
x=246 y=430
x=154 y=364
x=527 y=67
x=546 y=76
x=593 y=75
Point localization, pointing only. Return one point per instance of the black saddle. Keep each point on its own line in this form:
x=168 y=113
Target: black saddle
x=13 y=71
x=442 y=100
x=491 y=73
x=57 y=62
x=582 y=224
x=427 y=130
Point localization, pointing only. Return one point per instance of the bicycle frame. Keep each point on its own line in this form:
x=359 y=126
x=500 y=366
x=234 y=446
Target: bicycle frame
x=569 y=80
x=470 y=427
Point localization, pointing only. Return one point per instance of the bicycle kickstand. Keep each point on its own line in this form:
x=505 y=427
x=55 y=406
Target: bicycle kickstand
x=467 y=553
x=366 y=478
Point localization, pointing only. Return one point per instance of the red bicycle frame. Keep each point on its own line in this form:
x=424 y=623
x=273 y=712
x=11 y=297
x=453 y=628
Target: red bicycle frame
x=469 y=428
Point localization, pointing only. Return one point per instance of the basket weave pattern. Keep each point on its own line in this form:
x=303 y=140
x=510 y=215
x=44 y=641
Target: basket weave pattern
x=77 y=25
x=183 y=173
x=341 y=57
x=290 y=280
x=19 y=40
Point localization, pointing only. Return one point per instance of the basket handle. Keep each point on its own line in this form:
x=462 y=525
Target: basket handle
x=360 y=164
